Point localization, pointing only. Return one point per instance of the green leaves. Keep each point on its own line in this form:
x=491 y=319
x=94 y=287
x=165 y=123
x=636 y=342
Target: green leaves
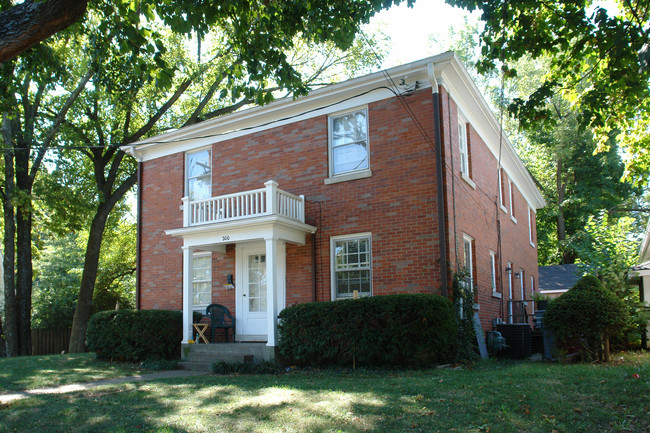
x=597 y=61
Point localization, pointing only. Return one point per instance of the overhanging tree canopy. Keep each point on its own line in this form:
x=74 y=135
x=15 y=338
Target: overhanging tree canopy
x=599 y=62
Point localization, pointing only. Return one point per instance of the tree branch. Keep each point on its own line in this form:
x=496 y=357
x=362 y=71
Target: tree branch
x=28 y=23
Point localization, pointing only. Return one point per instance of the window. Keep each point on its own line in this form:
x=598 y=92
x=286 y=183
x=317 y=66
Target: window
x=493 y=274
x=522 y=284
x=512 y=201
x=198 y=173
x=349 y=142
x=464 y=148
x=502 y=198
x=468 y=261
x=202 y=279
x=351 y=266
x=510 y=272
x=531 y=227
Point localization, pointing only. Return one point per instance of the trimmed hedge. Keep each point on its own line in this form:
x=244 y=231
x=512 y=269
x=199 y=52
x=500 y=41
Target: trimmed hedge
x=135 y=335
x=403 y=330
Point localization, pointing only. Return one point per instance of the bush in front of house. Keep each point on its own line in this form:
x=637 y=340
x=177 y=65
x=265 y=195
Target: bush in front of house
x=135 y=335
x=586 y=316
x=402 y=330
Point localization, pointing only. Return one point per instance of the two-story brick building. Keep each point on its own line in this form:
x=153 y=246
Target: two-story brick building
x=368 y=187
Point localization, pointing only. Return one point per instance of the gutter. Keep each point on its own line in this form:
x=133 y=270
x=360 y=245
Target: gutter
x=440 y=193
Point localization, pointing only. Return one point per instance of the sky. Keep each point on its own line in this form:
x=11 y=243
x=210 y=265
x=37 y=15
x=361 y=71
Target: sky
x=410 y=28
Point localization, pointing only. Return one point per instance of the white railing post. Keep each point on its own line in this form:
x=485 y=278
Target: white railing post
x=271 y=197
x=186 y=211
x=301 y=209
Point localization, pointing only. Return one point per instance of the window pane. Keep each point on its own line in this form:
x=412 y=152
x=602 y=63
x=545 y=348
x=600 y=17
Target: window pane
x=350 y=157
x=199 y=188
x=198 y=164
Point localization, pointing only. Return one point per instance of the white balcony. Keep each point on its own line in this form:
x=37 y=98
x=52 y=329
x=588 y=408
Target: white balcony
x=267 y=201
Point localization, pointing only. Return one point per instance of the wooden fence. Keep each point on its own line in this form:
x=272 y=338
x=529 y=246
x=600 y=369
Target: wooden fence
x=50 y=341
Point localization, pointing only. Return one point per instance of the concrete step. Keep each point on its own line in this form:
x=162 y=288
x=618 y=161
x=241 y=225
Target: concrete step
x=196 y=366
x=215 y=357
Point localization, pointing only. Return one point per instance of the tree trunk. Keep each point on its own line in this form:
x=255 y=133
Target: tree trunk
x=9 y=239
x=3 y=346
x=28 y=23
x=24 y=270
x=91 y=264
x=606 y=347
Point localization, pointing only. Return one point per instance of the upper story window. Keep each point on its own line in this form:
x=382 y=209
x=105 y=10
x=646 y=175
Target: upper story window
x=348 y=144
x=464 y=148
x=502 y=199
x=351 y=266
x=511 y=190
x=198 y=175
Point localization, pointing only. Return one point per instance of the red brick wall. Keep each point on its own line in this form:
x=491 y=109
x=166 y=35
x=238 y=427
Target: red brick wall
x=474 y=211
x=397 y=205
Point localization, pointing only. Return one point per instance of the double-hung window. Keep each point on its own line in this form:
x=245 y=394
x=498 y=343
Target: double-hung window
x=198 y=175
x=464 y=148
x=351 y=266
x=468 y=261
x=202 y=280
x=348 y=143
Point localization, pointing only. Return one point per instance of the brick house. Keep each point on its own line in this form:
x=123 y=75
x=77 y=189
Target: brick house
x=362 y=188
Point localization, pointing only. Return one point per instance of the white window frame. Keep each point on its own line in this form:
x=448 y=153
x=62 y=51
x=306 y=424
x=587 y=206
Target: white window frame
x=462 y=146
x=468 y=241
x=502 y=203
x=531 y=212
x=199 y=281
x=522 y=286
x=333 y=265
x=493 y=274
x=510 y=312
x=350 y=174
x=512 y=202
x=187 y=169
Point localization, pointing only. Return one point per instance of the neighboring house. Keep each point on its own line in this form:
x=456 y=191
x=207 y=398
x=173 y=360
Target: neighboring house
x=640 y=274
x=555 y=280
x=344 y=192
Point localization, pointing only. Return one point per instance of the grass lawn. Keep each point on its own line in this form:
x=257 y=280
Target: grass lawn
x=491 y=397
x=29 y=372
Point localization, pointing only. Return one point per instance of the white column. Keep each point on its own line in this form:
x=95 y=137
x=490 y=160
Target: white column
x=187 y=293
x=271 y=288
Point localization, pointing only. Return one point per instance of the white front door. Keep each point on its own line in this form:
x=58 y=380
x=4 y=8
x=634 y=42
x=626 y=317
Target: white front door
x=252 y=295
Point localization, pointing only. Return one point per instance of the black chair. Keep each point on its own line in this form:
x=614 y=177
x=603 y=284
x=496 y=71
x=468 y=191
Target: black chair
x=221 y=318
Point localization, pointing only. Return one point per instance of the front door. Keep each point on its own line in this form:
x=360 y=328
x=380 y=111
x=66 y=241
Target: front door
x=252 y=297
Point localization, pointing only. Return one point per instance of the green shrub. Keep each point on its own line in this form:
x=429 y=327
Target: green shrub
x=586 y=316
x=135 y=335
x=402 y=330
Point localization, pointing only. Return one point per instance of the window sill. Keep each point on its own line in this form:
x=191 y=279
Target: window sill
x=504 y=209
x=348 y=176
x=496 y=294
x=514 y=220
x=532 y=245
x=467 y=179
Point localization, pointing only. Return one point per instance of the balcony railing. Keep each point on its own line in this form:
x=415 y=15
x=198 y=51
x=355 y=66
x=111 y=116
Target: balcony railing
x=269 y=200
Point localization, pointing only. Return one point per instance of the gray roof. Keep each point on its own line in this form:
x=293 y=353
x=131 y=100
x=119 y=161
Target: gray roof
x=558 y=277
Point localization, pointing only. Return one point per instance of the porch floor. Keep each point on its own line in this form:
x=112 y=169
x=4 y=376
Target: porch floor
x=202 y=356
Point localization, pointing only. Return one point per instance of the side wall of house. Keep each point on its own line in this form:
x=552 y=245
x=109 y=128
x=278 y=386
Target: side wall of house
x=474 y=213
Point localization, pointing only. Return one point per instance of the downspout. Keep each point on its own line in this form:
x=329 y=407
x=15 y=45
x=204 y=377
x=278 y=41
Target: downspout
x=440 y=192
x=313 y=267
